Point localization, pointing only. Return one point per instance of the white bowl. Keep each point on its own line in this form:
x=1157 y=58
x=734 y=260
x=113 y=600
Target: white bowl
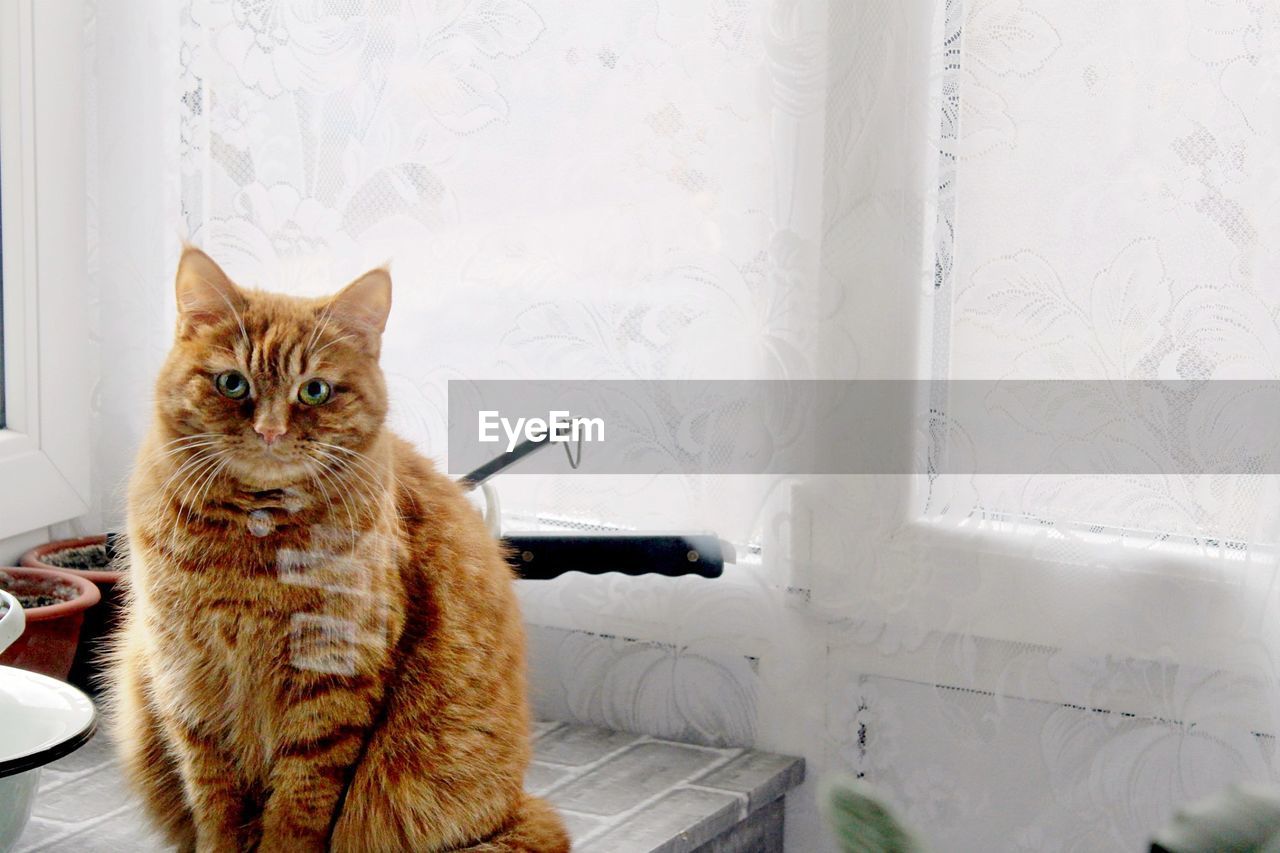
x=42 y=720
x=12 y=622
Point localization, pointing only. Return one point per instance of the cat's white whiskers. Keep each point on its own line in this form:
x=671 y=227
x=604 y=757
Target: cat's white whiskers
x=376 y=472
x=226 y=460
x=330 y=477
x=361 y=468
x=239 y=320
x=351 y=515
x=331 y=343
x=194 y=467
x=328 y=501
x=185 y=468
x=371 y=475
x=341 y=467
x=315 y=333
x=184 y=439
x=320 y=472
x=207 y=457
x=186 y=508
x=193 y=478
x=208 y=479
x=187 y=448
x=188 y=437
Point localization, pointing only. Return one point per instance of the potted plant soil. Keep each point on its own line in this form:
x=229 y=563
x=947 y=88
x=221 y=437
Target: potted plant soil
x=92 y=558
x=54 y=603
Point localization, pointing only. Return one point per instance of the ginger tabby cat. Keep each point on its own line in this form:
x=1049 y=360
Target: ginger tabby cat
x=322 y=647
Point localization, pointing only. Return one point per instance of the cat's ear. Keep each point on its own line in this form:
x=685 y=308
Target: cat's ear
x=205 y=295
x=363 y=305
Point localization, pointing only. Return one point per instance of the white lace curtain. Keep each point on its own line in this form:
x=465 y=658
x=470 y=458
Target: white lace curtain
x=563 y=194
x=788 y=189
x=1116 y=179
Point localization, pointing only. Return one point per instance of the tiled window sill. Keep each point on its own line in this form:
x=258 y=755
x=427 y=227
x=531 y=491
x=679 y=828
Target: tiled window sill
x=619 y=793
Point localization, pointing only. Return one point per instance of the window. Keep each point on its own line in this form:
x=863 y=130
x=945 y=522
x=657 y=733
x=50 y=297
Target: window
x=558 y=207
x=44 y=446
x=1100 y=218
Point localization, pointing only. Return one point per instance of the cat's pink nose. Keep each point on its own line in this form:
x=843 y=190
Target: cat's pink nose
x=270 y=432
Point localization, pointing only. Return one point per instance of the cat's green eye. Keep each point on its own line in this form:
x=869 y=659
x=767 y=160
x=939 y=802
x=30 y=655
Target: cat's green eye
x=314 y=392
x=232 y=384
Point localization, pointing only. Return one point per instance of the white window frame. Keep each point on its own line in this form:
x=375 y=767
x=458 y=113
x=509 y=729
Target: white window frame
x=44 y=447
x=1132 y=594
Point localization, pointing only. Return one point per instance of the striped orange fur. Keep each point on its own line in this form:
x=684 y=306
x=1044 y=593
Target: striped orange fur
x=322 y=648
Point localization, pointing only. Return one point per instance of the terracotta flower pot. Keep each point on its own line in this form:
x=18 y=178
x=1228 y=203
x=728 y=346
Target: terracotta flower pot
x=93 y=558
x=54 y=603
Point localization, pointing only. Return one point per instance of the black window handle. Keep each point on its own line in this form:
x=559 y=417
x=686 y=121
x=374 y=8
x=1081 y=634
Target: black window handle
x=541 y=556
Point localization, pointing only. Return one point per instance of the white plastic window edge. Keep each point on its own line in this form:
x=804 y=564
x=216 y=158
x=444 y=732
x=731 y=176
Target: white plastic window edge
x=44 y=449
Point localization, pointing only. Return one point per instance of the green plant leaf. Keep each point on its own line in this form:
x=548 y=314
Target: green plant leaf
x=1241 y=819
x=862 y=821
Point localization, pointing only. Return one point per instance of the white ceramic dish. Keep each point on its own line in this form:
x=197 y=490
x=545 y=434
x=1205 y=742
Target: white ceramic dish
x=42 y=720
x=12 y=622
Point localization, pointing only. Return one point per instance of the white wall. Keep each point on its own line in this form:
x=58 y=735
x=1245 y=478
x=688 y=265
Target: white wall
x=13 y=547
